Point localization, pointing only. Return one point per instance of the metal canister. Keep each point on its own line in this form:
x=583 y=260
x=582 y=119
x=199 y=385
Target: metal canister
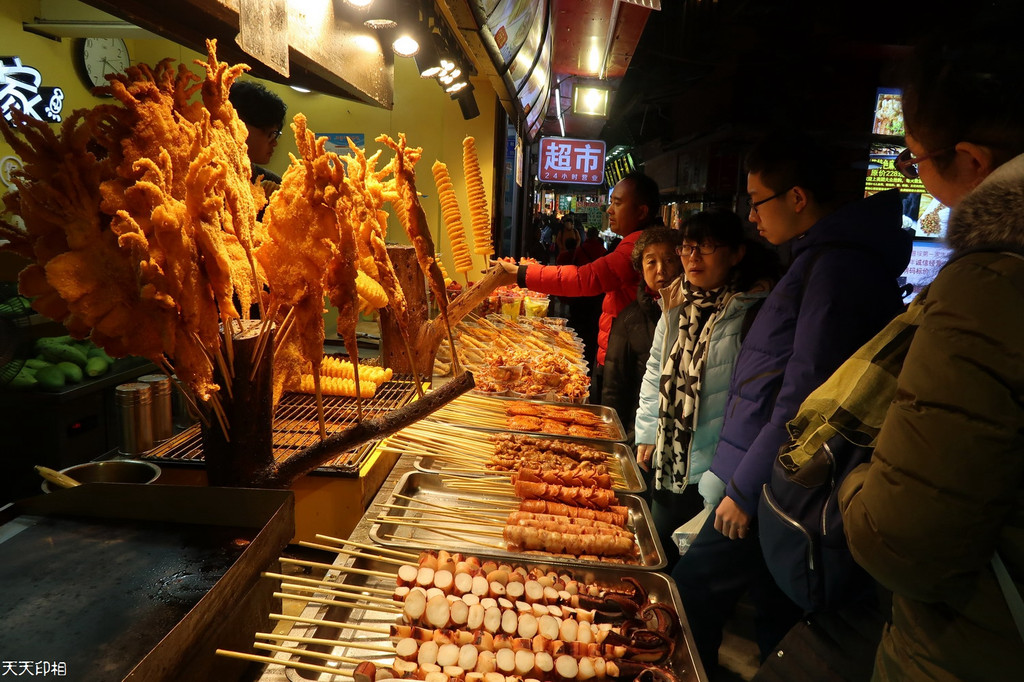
x=134 y=410
x=160 y=393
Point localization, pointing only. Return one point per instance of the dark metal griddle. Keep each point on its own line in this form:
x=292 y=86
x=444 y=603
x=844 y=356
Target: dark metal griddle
x=122 y=581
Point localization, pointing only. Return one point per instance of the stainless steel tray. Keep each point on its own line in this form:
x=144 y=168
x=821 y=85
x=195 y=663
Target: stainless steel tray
x=609 y=417
x=620 y=454
x=431 y=491
x=660 y=588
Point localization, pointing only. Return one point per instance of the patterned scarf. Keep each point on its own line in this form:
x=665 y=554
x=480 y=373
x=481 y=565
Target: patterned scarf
x=679 y=394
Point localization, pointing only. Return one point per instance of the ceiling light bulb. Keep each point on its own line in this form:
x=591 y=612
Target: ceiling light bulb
x=447 y=65
x=446 y=78
x=296 y=88
x=361 y=4
x=405 y=45
x=455 y=87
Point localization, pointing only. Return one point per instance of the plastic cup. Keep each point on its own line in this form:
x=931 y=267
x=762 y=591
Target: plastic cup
x=510 y=307
x=536 y=307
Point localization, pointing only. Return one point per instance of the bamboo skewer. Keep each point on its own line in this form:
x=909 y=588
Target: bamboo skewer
x=349 y=552
x=492 y=504
x=382 y=550
x=452 y=536
x=316 y=589
x=229 y=345
x=321 y=423
x=290 y=664
x=461 y=515
x=306 y=652
x=443 y=517
x=352 y=644
x=302 y=620
x=338 y=602
x=475 y=542
x=332 y=567
x=419 y=523
x=327 y=583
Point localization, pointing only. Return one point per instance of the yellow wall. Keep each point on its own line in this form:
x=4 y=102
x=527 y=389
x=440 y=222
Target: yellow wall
x=422 y=111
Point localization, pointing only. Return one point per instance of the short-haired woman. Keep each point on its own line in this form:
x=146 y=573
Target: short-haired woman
x=686 y=382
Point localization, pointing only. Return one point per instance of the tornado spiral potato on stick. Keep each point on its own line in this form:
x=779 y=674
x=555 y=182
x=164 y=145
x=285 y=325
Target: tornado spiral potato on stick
x=452 y=217
x=478 y=213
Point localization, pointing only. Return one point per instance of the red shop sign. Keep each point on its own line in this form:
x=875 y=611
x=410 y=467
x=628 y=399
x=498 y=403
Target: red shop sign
x=565 y=160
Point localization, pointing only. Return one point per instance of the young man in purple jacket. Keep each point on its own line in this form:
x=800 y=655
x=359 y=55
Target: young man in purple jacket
x=841 y=288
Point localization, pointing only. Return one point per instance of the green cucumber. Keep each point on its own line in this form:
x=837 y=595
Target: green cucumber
x=33 y=363
x=96 y=366
x=100 y=353
x=24 y=380
x=72 y=372
x=50 y=377
x=62 y=353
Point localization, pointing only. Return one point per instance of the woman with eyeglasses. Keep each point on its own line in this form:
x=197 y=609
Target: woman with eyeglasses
x=682 y=397
x=937 y=516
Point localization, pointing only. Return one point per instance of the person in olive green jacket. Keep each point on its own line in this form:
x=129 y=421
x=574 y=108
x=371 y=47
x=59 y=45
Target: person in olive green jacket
x=944 y=490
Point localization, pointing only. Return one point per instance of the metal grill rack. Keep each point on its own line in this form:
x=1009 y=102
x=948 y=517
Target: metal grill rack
x=296 y=427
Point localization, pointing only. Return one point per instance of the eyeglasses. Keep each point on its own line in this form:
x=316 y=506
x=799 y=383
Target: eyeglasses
x=906 y=163
x=687 y=250
x=274 y=134
x=755 y=204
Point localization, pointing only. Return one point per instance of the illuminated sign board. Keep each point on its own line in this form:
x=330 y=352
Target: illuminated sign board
x=571 y=161
x=21 y=88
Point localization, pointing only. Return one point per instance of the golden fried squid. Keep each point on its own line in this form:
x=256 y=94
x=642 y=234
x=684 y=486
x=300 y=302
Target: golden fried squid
x=410 y=213
x=140 y=217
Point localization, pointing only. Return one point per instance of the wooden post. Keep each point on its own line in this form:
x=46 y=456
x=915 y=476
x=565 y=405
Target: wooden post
x=392 y=347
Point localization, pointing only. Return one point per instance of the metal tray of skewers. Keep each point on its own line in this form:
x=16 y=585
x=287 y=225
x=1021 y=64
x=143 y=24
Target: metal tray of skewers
x=460 y=451
x=363 y=612
x=427 y=511
x=535 y=417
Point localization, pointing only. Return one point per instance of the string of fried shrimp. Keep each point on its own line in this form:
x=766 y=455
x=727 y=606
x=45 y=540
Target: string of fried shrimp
x=477 y=199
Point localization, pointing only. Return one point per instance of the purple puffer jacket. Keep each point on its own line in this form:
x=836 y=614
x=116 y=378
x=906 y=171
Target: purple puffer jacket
x=839 y=291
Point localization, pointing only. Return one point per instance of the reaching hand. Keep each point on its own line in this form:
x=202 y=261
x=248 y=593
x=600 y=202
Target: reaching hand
x=730 y=520
x=507 y=269
x=644 y=454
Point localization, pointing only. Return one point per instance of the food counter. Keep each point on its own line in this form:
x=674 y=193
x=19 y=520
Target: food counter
x=362 y=534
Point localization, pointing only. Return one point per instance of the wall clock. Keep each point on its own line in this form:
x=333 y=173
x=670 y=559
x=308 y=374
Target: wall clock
x=100 y=56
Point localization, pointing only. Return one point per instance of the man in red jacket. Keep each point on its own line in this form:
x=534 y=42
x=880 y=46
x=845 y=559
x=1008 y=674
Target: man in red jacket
x=633 y=206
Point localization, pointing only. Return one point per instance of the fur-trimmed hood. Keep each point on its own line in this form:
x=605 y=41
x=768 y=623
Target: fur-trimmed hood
x=993 y=213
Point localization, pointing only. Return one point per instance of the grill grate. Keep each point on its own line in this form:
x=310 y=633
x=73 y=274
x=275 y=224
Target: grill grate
x=296 y=427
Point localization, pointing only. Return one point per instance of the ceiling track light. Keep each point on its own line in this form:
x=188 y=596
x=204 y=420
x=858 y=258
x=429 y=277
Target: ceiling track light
x=381 y=15
x=405 y=45
x=428 y=60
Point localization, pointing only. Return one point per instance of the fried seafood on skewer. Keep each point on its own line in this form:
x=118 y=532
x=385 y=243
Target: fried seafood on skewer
x=139 y=217
x=302 y=236
x=368 y=201
x=407 y=205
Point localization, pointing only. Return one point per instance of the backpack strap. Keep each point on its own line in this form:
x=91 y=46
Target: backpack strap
x=1010 y=592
